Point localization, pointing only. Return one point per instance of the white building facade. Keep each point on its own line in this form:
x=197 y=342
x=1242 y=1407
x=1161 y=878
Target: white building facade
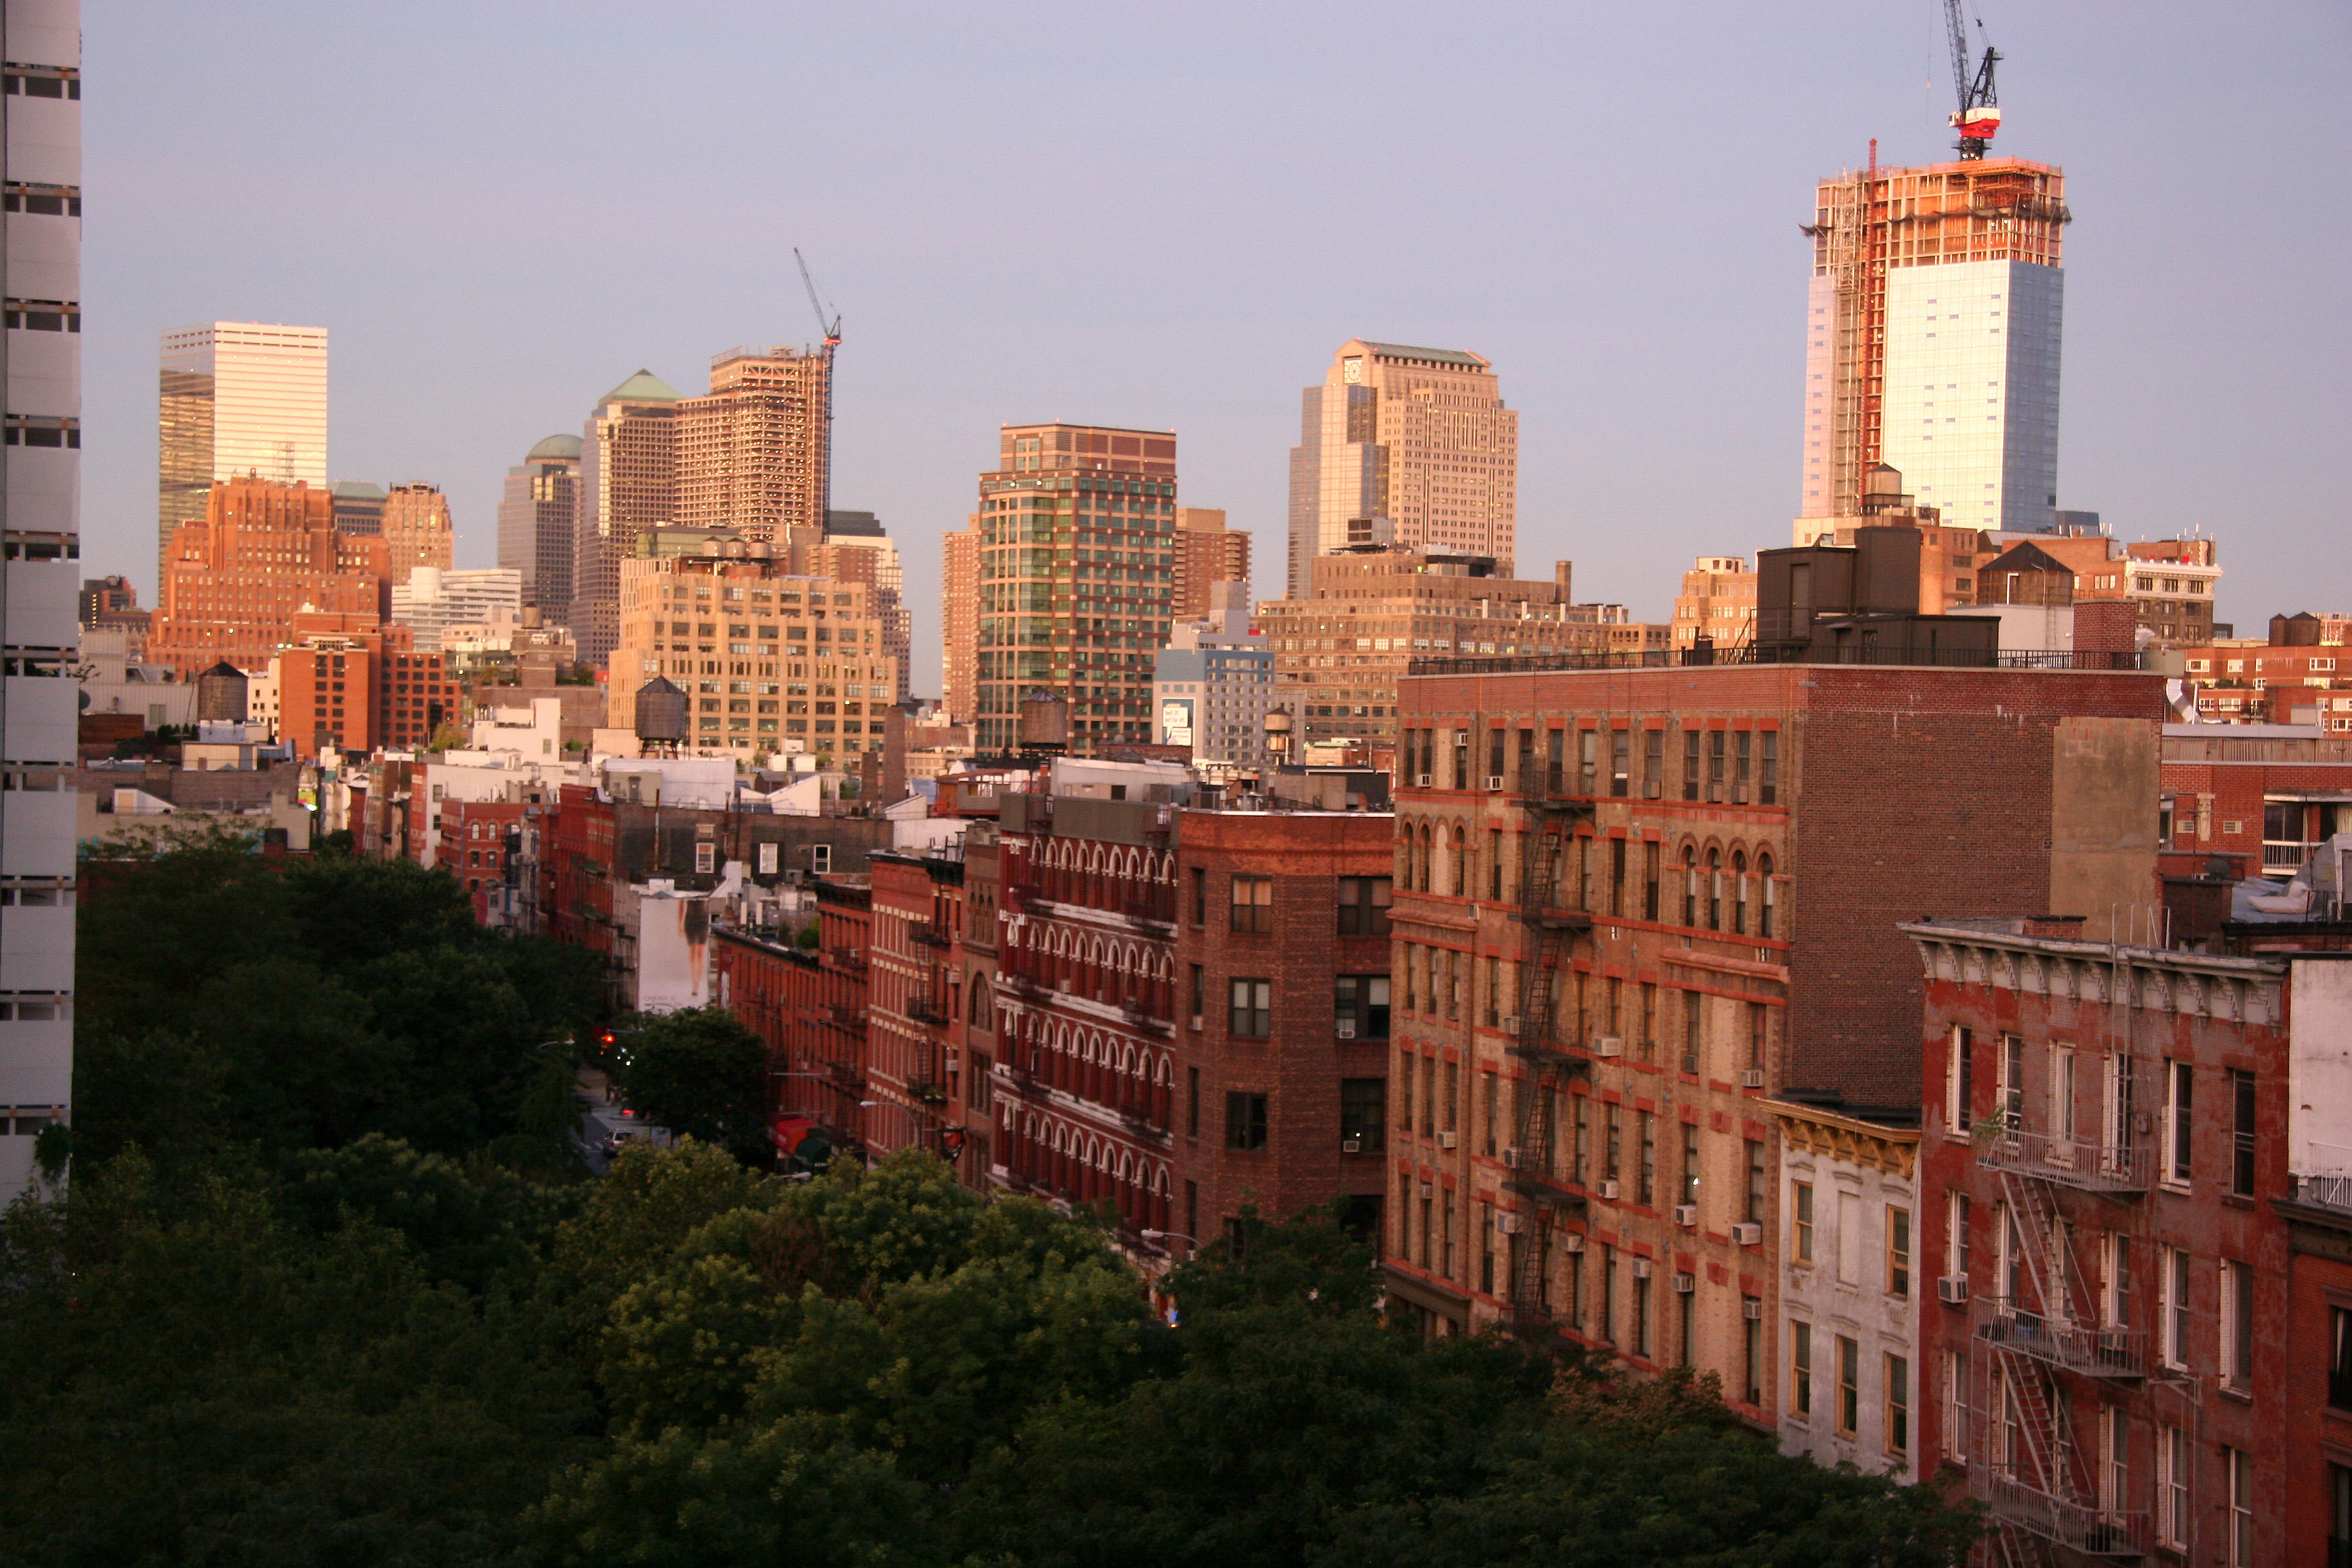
x=1849 y=1304
x=435 y=598
x=40 y=130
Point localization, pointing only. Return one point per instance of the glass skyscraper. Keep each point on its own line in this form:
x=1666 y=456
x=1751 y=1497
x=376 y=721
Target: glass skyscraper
x=237 y=398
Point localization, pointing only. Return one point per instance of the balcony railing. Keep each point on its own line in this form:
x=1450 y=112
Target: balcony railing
x=929 y=934
x=2081 y=1163
x=923 y=1010
x=2323 y=1189
x=2075 y=1347
x=2093 y=1532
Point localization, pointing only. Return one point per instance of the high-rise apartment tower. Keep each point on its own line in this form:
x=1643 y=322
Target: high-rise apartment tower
x=1407 y=446
x=40 y=364
x=1078 y=526
x=1932 y=339
x=537 y=518
x=752 y=452
x=628 y=488
x=237 y=398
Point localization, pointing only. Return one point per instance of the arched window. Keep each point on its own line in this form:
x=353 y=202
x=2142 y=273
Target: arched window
x=1420 y=875
x=1715 y=889
x=1690 y=886
x=1461 y=882
x=1739 y=892
x=1764 y=875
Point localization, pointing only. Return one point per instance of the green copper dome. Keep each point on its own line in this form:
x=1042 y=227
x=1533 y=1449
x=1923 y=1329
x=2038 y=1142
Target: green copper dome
x=554 y=446
x=642 y=387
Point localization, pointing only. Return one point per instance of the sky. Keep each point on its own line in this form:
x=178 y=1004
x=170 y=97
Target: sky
x=1168 y=216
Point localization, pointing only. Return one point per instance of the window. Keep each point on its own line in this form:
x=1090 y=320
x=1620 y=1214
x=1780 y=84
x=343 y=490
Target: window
x=1899 y=1250
x=1611 y=1144
x=1494 y=862
x=1715 y=765
x=1363 y=1113
x=1738 y=893
x=1617 y=876
x=1957 y=1088
x=1647 y=1190
x=1252 y=1009
x=1252 y=909
x=2180 y=1086
x=1899 y=1406
x=1642 y=1283
x=2173 y=1306
x=1650 y=881
x=1767 y=773
x=1653 y=764
x=1200 y=895
x=2175 y=1460
x=1690 y=887
x=1487 y=1248
x=1800 y=1368
x=1363 y=906
x=1848 y=1386
x=1200 y=994
x=2339 y=1514
x=1752 y=1210
x=1690 y=1164
x=1690 y=765
x=1588 y=763
x=1620 y=762
x=2239 y=1466
x=2237 y=1325
x=1489 y=1094
x=2242 y=1134
x=1802 y=1203
x=1244 y=1121
x=1608 y=1324
x=2339 y=1358
x=1192 y=1103
x=1751 y=1349
x=1742 y=747
x=1956 y=1232
x=1362 y=1004
x=2011 y=1087
x=1715 y=889
x=2114 y=1289
x=1955 y=1405
x=1771 y=896
x=2115 y=1476
x=2060 y=1109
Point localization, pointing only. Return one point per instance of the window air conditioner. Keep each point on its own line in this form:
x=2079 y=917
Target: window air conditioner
x=1510 y=1023
x=1448 y=1139
x=1608 y=1191
x=1608 y=1045
x=1686 y=1215
x=1571 y=1241
x=1511 y=1158
x=1494 y=781
x=1508 y=1224
x=1952 y=1290
x=1751 y=1308
x=1640 y=1269
x=1420 y=781
x=1748 y=1234
x=1428 y=1190
x=1686 y=1283
x=1347 y=1028
x=1351 y=1145
x=1752 y=1077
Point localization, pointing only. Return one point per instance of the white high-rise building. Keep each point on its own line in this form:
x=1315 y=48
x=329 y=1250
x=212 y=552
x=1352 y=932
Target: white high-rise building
x=1408 y=447
x=40 y=129
x=1932 y=341
x=235 y=398
x=435 y=599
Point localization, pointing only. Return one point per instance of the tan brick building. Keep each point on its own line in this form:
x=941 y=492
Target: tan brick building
x=1718 y=602
x=1207 y=553
x=753 y=452
x=773 y=661
x=417 y=530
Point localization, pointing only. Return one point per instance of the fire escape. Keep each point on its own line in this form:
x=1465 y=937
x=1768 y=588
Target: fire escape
x=2054 y=1335
x=1550 y=816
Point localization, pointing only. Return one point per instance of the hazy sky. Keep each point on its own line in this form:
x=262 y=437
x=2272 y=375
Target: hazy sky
x=1169 y=216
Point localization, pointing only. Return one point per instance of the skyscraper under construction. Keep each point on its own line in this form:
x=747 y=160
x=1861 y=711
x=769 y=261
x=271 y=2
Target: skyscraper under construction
x=1932 y=327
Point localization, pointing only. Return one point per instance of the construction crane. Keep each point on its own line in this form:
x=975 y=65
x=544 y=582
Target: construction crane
x=1979 y=115
x=832 y=335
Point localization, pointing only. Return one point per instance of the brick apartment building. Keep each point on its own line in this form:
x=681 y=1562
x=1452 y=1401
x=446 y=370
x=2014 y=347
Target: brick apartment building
x=1191 y=1004
x=809 y=1005
x=233 y=581
x=918 y=1000
x=2260 y=798
x=1633 y=904
x=2116 y=1138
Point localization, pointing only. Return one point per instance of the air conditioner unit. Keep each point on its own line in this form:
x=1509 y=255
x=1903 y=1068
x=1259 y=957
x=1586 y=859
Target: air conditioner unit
x=1448 y=1139
x=1952 y=1290
x=1751 y=1308
x=1420 y=781
x=1510 y=1023
x=1196 y=1022
x=1748 y=1234
x=1607 y=1191
x=1640 y=1269
x=1351 y=1145
x=1686 y=1215
x=1752 y=1077
x=1511 y=1158
x=1509 y=1223
x=1428 y=1190
x=1608 y=1045
x=1347 y=1028
x=1571 y=1241
x=1494 y=781
x=1686 y=1283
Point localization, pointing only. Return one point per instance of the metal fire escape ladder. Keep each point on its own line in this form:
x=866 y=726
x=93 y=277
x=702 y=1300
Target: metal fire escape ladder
x=1549 y=820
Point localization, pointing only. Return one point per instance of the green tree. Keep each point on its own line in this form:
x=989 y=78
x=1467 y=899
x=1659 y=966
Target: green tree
x=701 y=1074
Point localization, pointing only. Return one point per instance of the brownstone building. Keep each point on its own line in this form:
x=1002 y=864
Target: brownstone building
x=233 y=581
x=1633 y=904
